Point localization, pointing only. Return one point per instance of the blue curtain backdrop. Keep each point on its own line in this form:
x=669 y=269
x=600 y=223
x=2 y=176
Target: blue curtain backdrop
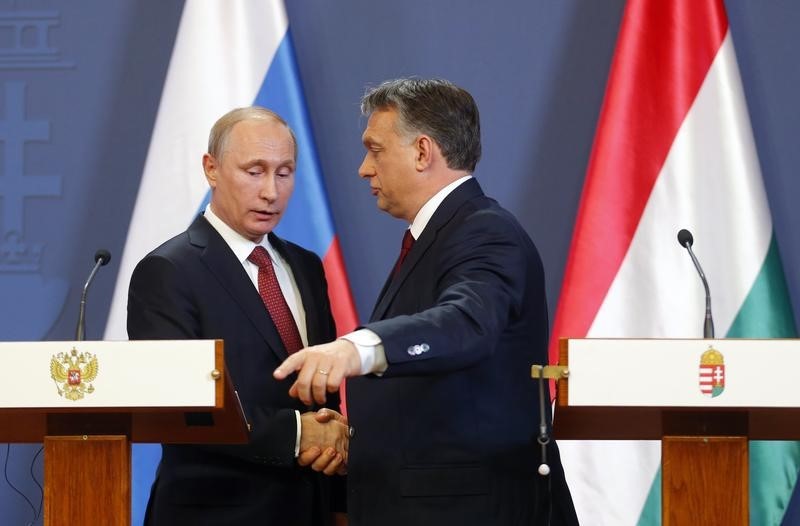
x=80 y=84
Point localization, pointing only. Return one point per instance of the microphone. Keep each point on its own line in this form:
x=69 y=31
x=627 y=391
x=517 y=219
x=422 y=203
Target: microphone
x=101 y=257
x=686 y=240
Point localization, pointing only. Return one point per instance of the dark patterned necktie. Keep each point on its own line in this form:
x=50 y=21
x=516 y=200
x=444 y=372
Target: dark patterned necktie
x=271 y=295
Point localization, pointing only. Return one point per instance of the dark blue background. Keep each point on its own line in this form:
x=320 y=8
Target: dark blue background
x=536 y=67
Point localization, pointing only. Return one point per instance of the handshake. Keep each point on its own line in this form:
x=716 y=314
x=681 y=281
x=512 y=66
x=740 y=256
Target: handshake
x=324 y=441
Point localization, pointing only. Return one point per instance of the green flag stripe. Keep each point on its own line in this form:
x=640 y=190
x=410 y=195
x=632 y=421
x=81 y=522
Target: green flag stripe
x=651 y=514
x=767 y=310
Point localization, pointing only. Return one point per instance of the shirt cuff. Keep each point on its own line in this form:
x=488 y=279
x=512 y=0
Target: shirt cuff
x=370 y=351
x=299 y=430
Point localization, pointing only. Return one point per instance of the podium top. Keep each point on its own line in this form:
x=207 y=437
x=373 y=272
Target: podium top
x=112 y=374
x=681 y=373
x=168 y=391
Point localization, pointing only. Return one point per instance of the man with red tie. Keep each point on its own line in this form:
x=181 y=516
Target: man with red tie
x=228 y=276
x=444 y=410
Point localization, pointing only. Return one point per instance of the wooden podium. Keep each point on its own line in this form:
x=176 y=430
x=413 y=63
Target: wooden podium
x=704 y=399
x=89 y=400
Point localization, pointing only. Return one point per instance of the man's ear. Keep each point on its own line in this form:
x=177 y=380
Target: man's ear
x=210 y=169
x=424 y=152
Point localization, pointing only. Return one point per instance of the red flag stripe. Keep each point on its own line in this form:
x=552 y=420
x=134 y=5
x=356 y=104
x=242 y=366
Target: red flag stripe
x=664 y=51
x=342 y=305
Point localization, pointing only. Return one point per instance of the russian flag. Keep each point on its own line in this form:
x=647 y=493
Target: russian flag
x=226 y=55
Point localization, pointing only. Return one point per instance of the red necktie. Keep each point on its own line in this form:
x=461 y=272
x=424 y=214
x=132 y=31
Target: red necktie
x=273 y=299
x=408 y=242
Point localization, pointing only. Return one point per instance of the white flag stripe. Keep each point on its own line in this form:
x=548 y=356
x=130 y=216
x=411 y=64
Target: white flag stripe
x=214 y=68
x=711 y=184
x=602 y=477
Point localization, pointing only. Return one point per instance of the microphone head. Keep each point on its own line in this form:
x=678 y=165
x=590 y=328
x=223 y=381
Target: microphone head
x=684 y=237
x=544 y=470
x=103 y=256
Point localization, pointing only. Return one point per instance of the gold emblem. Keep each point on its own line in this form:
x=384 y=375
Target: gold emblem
x=72 y=372
x=712 y=357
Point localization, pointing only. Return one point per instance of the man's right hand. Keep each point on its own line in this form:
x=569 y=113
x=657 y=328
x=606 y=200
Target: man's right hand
x=324 y=441
x=320 y=369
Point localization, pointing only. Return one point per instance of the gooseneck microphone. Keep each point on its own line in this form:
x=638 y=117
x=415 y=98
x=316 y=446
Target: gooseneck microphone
x=101 y=257
x=686 y=240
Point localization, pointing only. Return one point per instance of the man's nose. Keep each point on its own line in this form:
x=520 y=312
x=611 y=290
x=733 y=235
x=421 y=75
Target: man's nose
x=268 y=189
x=366 y=169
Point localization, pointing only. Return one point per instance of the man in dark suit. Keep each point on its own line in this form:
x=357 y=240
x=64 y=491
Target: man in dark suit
x=228 y=276
x=444 y=410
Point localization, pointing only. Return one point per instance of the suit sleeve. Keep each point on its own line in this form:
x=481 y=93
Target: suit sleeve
x=163 y=305
x=479 y=285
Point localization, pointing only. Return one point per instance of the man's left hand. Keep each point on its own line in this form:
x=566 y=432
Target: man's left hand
x=321 y=369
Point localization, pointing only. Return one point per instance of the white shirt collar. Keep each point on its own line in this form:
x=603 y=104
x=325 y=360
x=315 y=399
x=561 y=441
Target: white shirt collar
x=426 y=212
x=240 y=245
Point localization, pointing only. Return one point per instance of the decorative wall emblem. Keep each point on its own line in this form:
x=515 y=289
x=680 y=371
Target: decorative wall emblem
x=34 y=293
x=712 y=373
x=73 y=373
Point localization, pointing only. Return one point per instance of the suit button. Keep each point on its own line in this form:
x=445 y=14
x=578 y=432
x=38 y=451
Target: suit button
x=416 y=350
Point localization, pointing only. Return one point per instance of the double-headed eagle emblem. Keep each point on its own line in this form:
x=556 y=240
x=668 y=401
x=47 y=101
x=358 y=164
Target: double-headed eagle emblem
x=72 y=372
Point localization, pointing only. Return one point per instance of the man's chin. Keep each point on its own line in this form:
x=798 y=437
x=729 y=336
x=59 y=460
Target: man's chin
x=257 y=232
x=384 y=207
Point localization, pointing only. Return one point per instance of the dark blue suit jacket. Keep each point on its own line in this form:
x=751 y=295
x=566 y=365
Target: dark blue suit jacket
x=193 y=286
x=447 y=435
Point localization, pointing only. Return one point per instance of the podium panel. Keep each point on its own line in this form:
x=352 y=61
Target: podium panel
x=88 y=401
x=716 y=465
x=90 y=472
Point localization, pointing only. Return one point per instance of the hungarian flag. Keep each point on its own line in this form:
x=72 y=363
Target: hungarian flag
x=226 y=55
x=673 y=149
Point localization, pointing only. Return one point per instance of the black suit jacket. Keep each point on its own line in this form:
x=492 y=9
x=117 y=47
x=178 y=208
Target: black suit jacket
x=447 y=435
x=193 y=286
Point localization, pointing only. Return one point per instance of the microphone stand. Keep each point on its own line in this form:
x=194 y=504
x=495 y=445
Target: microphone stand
x=101 y=257
x=685 y=239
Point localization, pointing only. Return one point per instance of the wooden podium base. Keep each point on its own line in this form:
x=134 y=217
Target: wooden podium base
x=704 y=480
x=87 y=480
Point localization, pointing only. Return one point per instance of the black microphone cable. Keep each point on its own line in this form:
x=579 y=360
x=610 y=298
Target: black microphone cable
x=36 y=513
x=38 y=484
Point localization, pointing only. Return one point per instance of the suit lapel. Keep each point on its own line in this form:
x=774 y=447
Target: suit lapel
x=227 y=269
x=463 y=193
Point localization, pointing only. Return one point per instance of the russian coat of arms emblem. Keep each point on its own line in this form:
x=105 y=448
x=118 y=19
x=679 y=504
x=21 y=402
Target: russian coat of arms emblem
x=712 y=373
x=73 y=373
